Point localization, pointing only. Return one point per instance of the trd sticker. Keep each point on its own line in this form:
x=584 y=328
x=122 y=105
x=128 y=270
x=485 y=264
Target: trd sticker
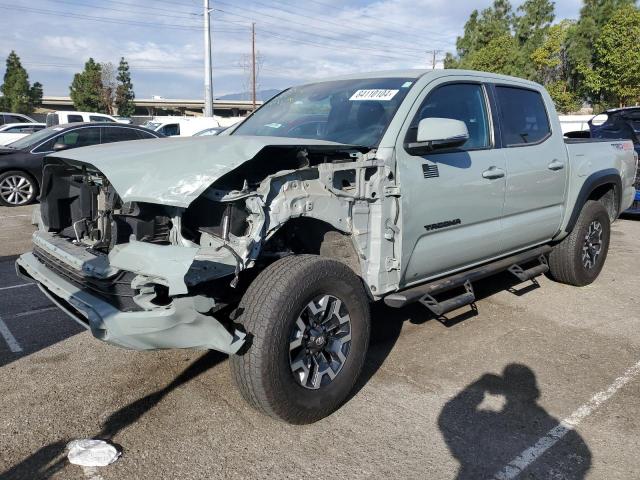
x=438 y=226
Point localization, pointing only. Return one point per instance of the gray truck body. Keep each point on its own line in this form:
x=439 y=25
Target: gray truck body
x=404 y=218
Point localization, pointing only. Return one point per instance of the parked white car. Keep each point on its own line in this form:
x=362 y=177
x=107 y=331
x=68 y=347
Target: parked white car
x=61 y=117
x=8 y=117
x=11 y=132
x=181 y=126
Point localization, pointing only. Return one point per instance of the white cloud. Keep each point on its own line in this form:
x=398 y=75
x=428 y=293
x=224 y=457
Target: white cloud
x=298 y=40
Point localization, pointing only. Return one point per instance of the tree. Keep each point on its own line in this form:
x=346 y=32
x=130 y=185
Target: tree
x=17 y=93
x=551 y=64
x=530 y=29
x=497 y=40
x=581 y=40
x=124 y=91
x=87 y=90
x=499 y=56
x=481 y=28
x=615 y=76
x=109 y=86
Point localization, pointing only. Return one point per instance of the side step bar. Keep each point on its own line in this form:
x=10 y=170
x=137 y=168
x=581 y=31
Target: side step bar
x=424 y=293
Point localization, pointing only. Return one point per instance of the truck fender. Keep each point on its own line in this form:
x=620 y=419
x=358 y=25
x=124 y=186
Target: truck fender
x=595 y=180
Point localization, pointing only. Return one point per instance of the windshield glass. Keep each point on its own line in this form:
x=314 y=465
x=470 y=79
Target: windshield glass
x=35 y=138
x=354 y=112
x=152 y=125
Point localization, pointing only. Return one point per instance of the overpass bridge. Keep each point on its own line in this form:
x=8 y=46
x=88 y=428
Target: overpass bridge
x=163 y=106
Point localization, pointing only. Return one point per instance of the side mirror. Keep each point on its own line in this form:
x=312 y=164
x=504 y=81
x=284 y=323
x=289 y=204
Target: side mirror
x=438 y=133
x=58 y=147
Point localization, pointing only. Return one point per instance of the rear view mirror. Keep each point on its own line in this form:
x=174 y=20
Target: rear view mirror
x=439 y=133
x=58 y=147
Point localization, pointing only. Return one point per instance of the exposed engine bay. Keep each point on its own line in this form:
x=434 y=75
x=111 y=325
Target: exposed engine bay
x=244 y=217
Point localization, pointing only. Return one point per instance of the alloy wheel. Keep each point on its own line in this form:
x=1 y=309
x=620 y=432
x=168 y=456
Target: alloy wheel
x=319 y=342
x=592 y=247
x=16 y=190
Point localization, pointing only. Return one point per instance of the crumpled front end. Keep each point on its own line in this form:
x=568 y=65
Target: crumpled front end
x=140 y=276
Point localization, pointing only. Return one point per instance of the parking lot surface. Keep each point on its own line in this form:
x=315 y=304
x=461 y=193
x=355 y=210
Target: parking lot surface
x=479 y=396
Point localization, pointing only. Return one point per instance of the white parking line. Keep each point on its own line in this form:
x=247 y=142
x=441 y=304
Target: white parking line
x=14 y=346
x=16 y=286
x=531 y=454
x=34 y=312
x=14 y=216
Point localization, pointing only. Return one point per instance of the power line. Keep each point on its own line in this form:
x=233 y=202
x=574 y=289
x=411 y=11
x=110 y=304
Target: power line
x=307 y=26
x=101 y=19
x=173 y=15
x=340 y=47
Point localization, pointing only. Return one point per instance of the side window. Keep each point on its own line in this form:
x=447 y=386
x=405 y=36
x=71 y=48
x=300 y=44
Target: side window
x=15 y=119
x=99 y=118
x=460 y=101
x=171 y=129
x=144 y=135
x=82 y=137
x=74 y=118
x=114 y=134
x=524 y=116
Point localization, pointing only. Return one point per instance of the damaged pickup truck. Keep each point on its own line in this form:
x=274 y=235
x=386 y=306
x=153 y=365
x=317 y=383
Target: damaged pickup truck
x=269 y=242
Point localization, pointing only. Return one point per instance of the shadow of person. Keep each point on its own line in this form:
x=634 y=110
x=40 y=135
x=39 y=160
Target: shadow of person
x=51 y=459
x=496 y=418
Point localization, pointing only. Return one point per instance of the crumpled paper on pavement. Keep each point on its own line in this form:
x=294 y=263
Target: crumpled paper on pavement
x=92 y=453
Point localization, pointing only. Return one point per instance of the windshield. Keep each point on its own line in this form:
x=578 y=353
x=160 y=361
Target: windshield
x=354 y=112
x=35 y=138
x=152 y=125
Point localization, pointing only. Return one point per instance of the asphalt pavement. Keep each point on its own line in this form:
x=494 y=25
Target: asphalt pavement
x=541 y=382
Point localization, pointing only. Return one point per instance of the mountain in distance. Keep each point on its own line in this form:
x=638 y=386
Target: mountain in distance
x=262 y=95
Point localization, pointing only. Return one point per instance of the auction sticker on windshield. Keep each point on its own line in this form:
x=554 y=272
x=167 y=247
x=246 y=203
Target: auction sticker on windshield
x=374 y=94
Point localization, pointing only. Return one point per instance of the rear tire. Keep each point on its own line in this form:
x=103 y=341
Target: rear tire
x=290 y=295
x=579 y=258
x=17 y=188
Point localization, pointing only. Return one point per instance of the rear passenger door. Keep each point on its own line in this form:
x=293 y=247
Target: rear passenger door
x=536 y=163
x=452 y=200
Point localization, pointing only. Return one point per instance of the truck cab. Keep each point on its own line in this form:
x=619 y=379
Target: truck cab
x=270 y=242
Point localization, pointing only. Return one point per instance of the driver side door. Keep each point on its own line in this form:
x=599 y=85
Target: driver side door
x=452 y=199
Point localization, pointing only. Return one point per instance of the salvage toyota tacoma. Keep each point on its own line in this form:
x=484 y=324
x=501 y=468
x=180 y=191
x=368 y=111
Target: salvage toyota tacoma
x=270 y=241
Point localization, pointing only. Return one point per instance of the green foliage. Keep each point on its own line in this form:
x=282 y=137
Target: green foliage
x=496 y=33
x=550 y=61
x=615 y=76
x=581 y=42
x=87 y=90
x=18 y=95
x=124 y=91
x=500 y=55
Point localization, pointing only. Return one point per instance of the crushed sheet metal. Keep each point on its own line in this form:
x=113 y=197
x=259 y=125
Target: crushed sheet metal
x=92 y=453
x=175 y=171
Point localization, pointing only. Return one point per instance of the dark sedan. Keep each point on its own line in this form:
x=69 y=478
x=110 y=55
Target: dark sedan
x=21 y=161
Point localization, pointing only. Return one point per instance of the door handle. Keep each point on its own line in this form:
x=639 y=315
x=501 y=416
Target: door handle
x=556 y=165
x=493 y=173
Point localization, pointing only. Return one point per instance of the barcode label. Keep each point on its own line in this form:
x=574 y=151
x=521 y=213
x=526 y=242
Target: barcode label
x=374 y=94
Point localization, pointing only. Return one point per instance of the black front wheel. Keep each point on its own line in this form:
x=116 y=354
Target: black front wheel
x=308 y=322
x=17 y=188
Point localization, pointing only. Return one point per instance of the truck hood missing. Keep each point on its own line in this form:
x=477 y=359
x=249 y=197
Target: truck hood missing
x=176 y=171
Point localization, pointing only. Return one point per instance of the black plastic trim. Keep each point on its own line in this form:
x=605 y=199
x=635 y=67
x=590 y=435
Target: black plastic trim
x=595 y=180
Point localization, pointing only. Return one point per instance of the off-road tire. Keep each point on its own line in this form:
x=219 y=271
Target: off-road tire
x=268 y=312
x=6 y=177
x=565 y=260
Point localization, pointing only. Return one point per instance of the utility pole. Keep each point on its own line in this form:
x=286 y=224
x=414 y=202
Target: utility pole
x=253 y=64
x=208 y=71
x=434 y=54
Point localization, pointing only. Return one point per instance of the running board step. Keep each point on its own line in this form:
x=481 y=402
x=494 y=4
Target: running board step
x=415 y=294
x=446 y=306
x=524 y=275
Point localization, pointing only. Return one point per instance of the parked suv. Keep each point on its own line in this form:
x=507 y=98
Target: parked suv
x=270 y=246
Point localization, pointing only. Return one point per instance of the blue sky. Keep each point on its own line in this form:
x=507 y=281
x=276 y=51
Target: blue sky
x=297 y=40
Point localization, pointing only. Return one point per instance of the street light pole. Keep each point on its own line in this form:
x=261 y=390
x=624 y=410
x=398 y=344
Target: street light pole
x=208 y=71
